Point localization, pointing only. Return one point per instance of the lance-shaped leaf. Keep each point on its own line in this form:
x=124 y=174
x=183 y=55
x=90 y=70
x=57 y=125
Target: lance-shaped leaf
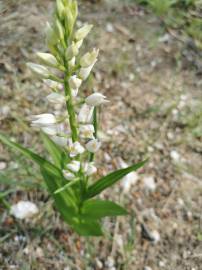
x=110 y=179
x=33 y=156
x=96 y=209
x=88 y=228
x=58 y=156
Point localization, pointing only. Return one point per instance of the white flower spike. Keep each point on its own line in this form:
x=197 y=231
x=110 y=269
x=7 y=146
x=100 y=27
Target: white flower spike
x=87 y=131
x=93 y=146
x=96 y=99
x=59 y=140
x=24 y=210
x=75 y=149
x=83 y=32
x=89 y=58
x=85 y=114
x=75 y=82
x=41 y=120
x=85 y=72
x=39 y=70
x=68 y=175
x=56 y=98
x=89 y=168
x=50 y=130
x=74 y=166
x=47 y=59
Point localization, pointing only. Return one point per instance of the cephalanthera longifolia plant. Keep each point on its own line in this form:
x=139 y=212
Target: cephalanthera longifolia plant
x=71 y=136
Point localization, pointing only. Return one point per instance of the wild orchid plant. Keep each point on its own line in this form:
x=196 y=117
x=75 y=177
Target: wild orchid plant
x=71 y=138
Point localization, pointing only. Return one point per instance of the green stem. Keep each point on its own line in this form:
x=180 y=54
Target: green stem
x=70 y=109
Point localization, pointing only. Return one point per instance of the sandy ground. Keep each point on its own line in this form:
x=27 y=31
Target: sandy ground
x=155 y=110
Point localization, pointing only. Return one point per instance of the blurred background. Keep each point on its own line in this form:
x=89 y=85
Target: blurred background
x=150 y=68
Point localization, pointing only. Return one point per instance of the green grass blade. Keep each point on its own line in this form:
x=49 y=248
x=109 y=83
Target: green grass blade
x=57 y=155
x=31 y=155
x=110 y=179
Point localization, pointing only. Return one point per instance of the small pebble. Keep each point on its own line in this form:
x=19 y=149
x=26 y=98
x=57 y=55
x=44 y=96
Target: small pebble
x=175 y=155
x=2 y=165
x=156 y=236
x=149 y=183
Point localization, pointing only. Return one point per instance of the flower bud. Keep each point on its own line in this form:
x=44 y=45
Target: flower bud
x=45 y=119
x=24 y=210
x=68 y=175
x=61 y=141
x=72 y=62
x=56 y=98
x=83 y=32
x=74 y=166
x=96 y=99
x=93 y=145
x=39 y=70
x=50 y=130
x=75 y=82
x=87 y=131
x=85 y=72
x=89 y=58
x=51 y=38
x=89 y=168
x=47 y=59
x=59 y=29
x=73 y=50
x=60 y=8
x=54 y=85
x=75 y=149
x=85 y=114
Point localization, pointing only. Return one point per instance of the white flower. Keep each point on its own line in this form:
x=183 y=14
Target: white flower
x=50 y=130
x=85 y=114
x=24 y=209
x=61 y=141
x=72 y=62
x=74 y=92
x=68 y=175
x=83 y=32
x=47 y=59
x=93 y=145
x=87 y=131
x=89 y=58
x=73 y=49
x=56 y=98
x=74 y=166
x=54 y=85
x=75 y=148
x=39 y=70
x=89 y=168
x=85 y=72
x=45 y=119
x=96 y=99
x=75 y=82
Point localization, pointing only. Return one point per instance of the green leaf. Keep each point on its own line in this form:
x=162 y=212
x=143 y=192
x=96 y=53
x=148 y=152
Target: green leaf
x=88 y=228
x=110 y=179
x=65 y=202
x=57 y=154
x=36 y=158
x=96 y=209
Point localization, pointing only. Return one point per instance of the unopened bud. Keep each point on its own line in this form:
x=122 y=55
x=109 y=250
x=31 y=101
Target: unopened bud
x=83 y=32
x=47 y=59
